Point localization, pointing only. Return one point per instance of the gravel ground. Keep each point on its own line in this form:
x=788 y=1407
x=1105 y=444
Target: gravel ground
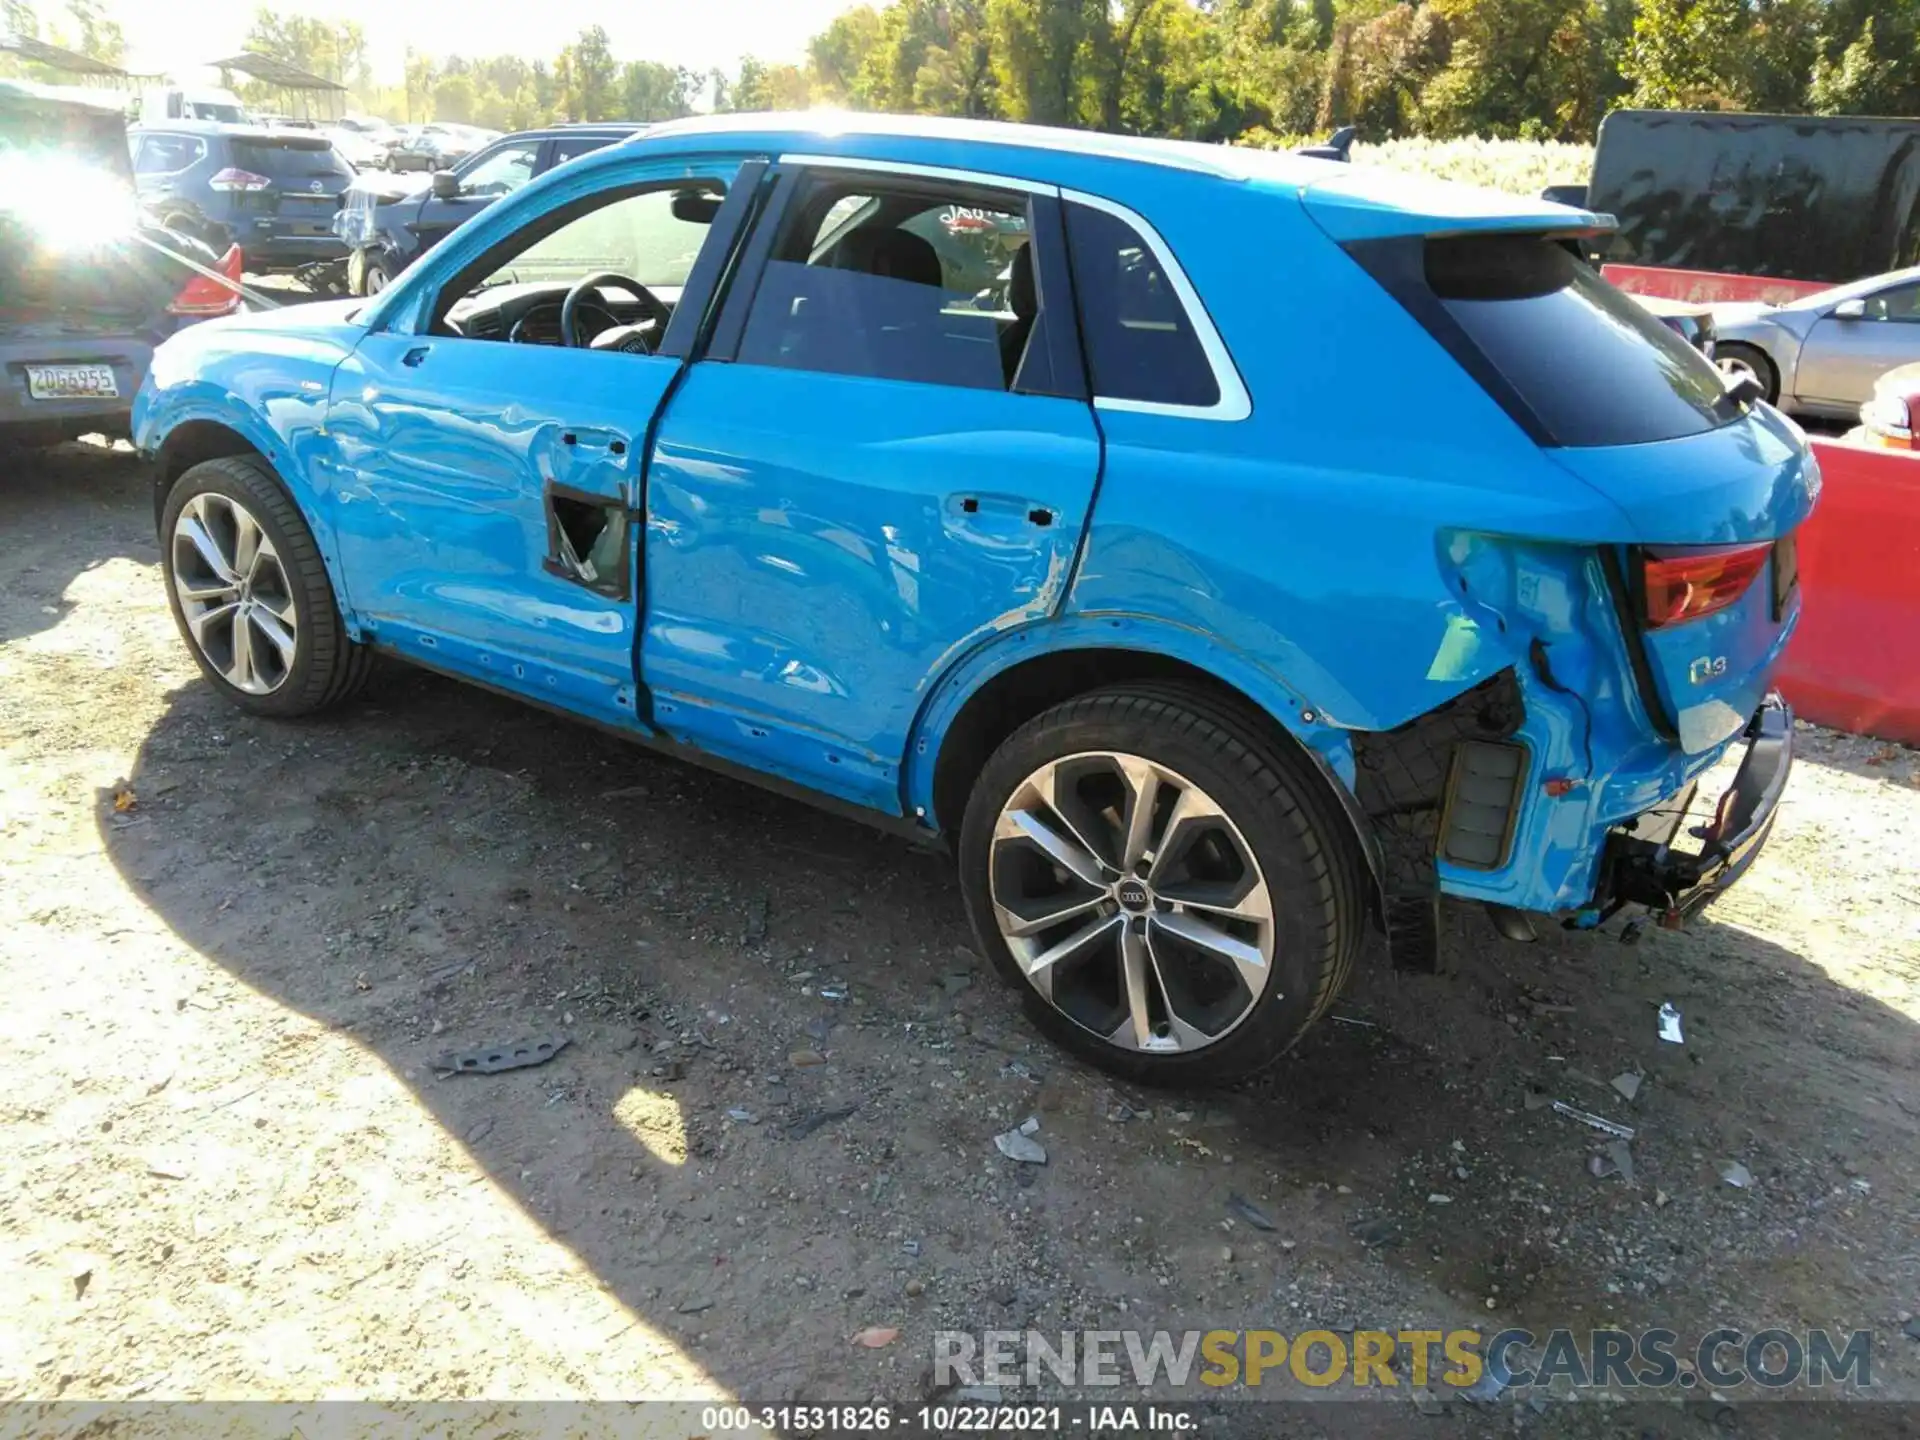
x=233 y=950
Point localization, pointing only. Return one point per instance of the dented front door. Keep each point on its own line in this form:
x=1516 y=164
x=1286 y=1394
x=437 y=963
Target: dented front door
x=486 y=493
x=483 y=506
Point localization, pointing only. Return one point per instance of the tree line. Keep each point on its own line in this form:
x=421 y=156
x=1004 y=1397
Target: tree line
x=1217 y=70
x=1225 y=69
x=1254 y=70
x=83 y=26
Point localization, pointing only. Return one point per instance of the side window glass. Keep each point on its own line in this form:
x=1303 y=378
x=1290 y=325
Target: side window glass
x=649 y=239
x=1902 y=303
x=975 y=244
x=565 y=150
x=837 y=221
x=860 y=285
x=164 y=154
x=500 y=173
x=1139 y=338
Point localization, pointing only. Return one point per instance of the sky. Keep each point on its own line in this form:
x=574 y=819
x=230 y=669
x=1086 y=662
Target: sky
x=175 y=36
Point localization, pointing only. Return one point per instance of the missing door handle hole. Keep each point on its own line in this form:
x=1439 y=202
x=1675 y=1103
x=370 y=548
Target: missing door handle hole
x=1040 y=517
x=587 y=541
x=970 y=505
x=569 y=438
x=618 y=447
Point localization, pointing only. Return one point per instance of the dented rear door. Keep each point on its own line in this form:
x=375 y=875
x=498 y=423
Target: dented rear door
x=845 y=494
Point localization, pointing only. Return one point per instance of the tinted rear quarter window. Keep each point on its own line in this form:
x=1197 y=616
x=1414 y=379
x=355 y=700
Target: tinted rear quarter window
x=1139 y=339
x=1584 y=363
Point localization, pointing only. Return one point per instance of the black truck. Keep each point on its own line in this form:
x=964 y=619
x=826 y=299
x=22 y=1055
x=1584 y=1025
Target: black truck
x=1807 y=198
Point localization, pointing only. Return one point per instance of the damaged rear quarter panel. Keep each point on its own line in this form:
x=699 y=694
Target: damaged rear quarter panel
x=1306 y=535
x=1357 y=538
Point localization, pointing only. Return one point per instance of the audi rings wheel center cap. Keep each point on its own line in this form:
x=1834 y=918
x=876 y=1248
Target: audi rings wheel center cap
x=1133 y=895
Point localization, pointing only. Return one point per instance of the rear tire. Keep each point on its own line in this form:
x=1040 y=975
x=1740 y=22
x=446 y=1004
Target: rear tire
x=377 y=274
x=1736 y=358
x=250 y=593
x=1195 y=946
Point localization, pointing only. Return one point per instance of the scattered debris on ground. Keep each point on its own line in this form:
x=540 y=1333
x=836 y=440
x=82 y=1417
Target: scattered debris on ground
x=233 y=1170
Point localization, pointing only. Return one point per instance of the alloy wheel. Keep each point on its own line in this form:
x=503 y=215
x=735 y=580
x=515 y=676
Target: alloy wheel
x=1739 y=367
x=233 y=593
x=1131 y=902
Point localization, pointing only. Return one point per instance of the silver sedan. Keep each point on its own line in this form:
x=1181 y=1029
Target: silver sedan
x=1821 y=354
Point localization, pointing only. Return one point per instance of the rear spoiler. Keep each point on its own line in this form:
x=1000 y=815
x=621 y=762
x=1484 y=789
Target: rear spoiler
x=1337 y=147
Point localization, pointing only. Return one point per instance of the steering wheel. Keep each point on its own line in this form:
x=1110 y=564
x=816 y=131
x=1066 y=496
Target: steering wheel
x=654 y=307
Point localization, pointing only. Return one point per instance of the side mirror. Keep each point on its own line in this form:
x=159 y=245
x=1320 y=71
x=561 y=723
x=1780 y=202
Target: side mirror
x=446 y=185
x=1850 y=310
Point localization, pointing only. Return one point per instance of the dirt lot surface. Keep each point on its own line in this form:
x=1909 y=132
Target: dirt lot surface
x=233 y=950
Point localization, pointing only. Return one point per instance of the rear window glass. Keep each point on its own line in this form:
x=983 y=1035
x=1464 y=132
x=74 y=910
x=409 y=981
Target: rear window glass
x=1139 y=339
x=1593 y=366
x=166 y=154
x=291 y=160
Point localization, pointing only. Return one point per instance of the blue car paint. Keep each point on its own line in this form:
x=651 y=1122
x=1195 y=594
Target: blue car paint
x=439 y=512
x=1331 y=746
x=214 y=374
x=1315 y=555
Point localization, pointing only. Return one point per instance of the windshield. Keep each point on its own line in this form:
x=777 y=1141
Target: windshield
x=1574 y=361
x=1595 y=368
x=214 y=110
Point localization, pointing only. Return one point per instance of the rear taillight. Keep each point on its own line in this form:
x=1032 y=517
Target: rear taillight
x=1685 y=584
x=234 y=178
x=206 y=295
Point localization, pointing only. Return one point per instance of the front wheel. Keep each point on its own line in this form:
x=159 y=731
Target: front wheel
x=1175 y=895
x=250 y=593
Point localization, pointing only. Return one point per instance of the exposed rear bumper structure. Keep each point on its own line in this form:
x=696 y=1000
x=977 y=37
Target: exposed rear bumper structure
x=1642 y=867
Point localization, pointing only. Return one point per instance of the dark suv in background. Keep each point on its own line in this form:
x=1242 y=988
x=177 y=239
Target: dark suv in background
x=271 y=192
x=390 y=223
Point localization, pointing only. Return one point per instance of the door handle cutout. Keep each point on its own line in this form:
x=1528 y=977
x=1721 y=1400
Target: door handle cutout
x=414 y=356
x=588 y=540
x=1040 y=517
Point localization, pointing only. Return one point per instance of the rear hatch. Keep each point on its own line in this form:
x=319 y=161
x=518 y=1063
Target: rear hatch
x=1710 y=486
x=306 y=176
x=71 y=260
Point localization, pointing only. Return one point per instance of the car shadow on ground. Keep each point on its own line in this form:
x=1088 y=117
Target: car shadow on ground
x=68 y=504
x=438 y=869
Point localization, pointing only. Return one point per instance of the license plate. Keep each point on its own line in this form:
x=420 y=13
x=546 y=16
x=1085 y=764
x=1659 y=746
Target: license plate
x=72 y=382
